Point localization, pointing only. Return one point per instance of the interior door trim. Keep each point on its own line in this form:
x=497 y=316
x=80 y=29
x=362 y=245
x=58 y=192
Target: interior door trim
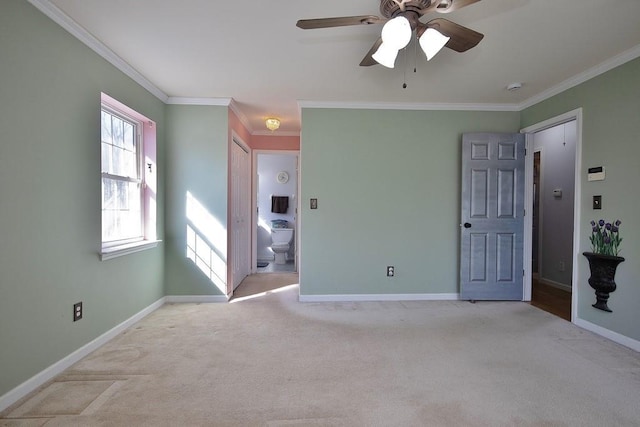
x=528 y=200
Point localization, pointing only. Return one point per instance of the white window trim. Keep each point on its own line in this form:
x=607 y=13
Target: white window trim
x=129 y=248
x=109 y=250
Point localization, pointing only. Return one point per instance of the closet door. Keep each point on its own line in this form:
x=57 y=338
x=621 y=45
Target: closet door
x=240 y=214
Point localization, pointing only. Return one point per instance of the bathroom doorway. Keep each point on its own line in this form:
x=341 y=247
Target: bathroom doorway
x=275 y=207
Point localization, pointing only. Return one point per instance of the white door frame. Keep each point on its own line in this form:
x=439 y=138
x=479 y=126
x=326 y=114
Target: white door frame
x=540 y=150
x=528 y=202
x=254 y=205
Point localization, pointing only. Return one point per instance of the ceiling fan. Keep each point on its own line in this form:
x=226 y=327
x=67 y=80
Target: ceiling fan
x=401 y=18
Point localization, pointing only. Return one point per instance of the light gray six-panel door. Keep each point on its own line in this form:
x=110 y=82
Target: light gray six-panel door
x=492 y=218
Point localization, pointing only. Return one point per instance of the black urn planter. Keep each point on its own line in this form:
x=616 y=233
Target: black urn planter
x=603 y=272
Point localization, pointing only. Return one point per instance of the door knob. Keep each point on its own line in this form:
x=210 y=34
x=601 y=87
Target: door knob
x=467 y=225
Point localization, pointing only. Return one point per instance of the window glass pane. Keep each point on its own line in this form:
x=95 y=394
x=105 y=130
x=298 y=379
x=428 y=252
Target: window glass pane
x=123 y=162
x=129 y=137
x=106 y=128
x=121 y=210
x=117 y=155
x=130 y=163
x=120 y=148
x=118 y=131
x=106 y=158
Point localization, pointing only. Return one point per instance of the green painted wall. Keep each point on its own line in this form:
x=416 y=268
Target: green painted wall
x=387 y=183
x=611 y=108
x=50 y=197
x=197 y=165
x=388 y=190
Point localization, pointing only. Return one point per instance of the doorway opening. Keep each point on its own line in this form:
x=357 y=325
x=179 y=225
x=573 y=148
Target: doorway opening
x=275 y=222
x=552 y=198
x=547 y=294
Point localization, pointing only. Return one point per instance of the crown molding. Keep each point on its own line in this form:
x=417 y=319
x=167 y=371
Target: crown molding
x=407 y=106
x=216 y=102
x=601 y=68
x=241 y=116
x=275 y=133
x=62 y=19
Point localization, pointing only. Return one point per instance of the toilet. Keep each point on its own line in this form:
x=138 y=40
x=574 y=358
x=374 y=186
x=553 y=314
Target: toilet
x=281 y=238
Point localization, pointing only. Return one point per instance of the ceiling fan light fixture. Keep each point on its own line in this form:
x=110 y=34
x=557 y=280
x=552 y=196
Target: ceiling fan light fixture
x=386 y=55
x=272 y=123
x=432 y=41
x=396 y=33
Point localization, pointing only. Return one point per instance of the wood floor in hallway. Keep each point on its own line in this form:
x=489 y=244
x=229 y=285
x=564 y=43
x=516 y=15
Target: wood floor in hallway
x=551 y=299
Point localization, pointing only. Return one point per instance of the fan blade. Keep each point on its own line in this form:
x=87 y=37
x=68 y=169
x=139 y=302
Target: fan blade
x=462 y=38
x=448 y=6
x=368 y=60
x=343 y=21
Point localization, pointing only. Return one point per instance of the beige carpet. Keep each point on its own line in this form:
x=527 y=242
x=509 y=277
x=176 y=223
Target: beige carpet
x=267 y=360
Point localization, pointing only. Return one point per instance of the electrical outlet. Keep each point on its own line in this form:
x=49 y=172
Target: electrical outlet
x=313 y=203
x=391 y=270
x=561 y=266
x=77 y=311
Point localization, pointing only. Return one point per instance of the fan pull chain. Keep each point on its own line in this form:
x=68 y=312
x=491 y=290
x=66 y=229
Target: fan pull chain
x=406 y=62
x=404 y=85
x=415 y=55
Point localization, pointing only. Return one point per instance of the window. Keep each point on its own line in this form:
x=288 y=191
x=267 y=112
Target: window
x=128 y=180
x=121 y=179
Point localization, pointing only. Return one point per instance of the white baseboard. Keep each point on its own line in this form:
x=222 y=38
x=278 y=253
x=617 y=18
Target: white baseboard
x=613 y=336
x=558 y=285
x=169 y=299
x=57 y=368
x=378 y=297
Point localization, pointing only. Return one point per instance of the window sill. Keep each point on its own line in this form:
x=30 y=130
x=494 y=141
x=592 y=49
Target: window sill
x=118 y=251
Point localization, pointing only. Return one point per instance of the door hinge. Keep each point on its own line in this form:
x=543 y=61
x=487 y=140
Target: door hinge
x=522 y=273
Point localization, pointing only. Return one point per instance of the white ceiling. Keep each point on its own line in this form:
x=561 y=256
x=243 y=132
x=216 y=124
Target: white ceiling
x=252 y=51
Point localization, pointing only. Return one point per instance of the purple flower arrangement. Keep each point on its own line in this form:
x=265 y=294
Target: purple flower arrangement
x=605 y=237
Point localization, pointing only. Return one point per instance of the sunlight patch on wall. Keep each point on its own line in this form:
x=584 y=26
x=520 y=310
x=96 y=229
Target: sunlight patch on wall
x=263 y=224
x=206 y=243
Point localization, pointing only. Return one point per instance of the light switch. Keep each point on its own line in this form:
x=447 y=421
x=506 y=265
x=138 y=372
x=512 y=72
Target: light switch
x=314 y=203
x=597 y=202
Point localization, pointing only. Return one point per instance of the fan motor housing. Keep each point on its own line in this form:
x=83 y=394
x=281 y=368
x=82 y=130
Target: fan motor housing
x=391 y=9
